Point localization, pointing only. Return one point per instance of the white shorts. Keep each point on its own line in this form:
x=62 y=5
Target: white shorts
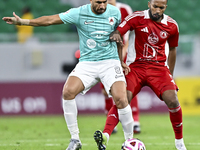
x=106 y=71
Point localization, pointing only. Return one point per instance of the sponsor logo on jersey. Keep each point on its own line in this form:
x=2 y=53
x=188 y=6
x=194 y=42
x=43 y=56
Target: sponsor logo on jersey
x=153 y=38
x=163 y=34
x=104 y=44
x=111 y=20
x=91 y=43
x=88 y=22
x=99 y=34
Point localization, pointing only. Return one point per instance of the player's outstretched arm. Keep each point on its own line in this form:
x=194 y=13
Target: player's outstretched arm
x=41 y=21
x=115 y=36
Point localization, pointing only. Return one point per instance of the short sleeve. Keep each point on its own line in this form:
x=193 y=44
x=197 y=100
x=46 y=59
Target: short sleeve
x=71 y=16
x=123 y=27
x=129 y=23
x=173 y=39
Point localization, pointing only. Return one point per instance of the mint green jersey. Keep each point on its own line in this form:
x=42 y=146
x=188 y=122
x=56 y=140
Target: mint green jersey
x=94 y=31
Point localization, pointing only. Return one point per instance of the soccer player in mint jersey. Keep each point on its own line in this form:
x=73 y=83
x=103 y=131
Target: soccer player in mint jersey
x=99 y=61
x=152 y=61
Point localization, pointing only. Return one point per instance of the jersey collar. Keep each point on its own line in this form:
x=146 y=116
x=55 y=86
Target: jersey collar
x=146 y=16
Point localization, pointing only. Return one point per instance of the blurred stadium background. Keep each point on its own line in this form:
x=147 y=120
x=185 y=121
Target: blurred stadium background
x=32 y=74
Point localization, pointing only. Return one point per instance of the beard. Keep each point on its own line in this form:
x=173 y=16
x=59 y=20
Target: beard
x=99 y=11
x=154 y=17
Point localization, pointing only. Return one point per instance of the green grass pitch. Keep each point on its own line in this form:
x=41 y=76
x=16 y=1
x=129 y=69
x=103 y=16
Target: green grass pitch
x=50 y=132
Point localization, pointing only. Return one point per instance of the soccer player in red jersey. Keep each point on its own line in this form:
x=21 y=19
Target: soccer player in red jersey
x=125 y=11
x=151 y=61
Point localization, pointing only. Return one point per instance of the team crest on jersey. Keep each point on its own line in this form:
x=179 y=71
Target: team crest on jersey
x=153 y=38
x=111 y=20
x=163 y=34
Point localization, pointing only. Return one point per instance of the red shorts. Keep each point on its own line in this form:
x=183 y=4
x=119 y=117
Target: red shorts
x=152 y=74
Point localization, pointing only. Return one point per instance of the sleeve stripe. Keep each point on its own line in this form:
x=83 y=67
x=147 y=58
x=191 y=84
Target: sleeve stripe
x=169 y=19
x=135 y=14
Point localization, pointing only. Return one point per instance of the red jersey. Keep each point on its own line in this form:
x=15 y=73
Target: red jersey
x=125 y=11
x=152 y=39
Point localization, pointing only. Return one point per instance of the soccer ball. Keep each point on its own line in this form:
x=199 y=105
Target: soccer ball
x=133 y=144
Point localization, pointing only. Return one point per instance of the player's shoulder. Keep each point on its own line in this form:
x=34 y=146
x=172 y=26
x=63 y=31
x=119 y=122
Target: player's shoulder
x=136 y=14
x=171 y=20
x=76 y=9
x=84 y=7
x=79 y=10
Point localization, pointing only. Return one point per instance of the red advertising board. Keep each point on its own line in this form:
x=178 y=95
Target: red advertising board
x=32 y=98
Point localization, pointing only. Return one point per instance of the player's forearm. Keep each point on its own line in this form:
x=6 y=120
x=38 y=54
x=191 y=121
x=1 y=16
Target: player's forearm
x=172 y=59
x=120 y=48
x=42 y=21
x=125 y=49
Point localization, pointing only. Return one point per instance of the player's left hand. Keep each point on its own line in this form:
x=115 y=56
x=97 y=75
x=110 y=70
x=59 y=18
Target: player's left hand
x=126 y=68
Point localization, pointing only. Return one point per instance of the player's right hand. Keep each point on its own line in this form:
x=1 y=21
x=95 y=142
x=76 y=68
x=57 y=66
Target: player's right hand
x=13 y=20
x=116 y=37
x=125 y=67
